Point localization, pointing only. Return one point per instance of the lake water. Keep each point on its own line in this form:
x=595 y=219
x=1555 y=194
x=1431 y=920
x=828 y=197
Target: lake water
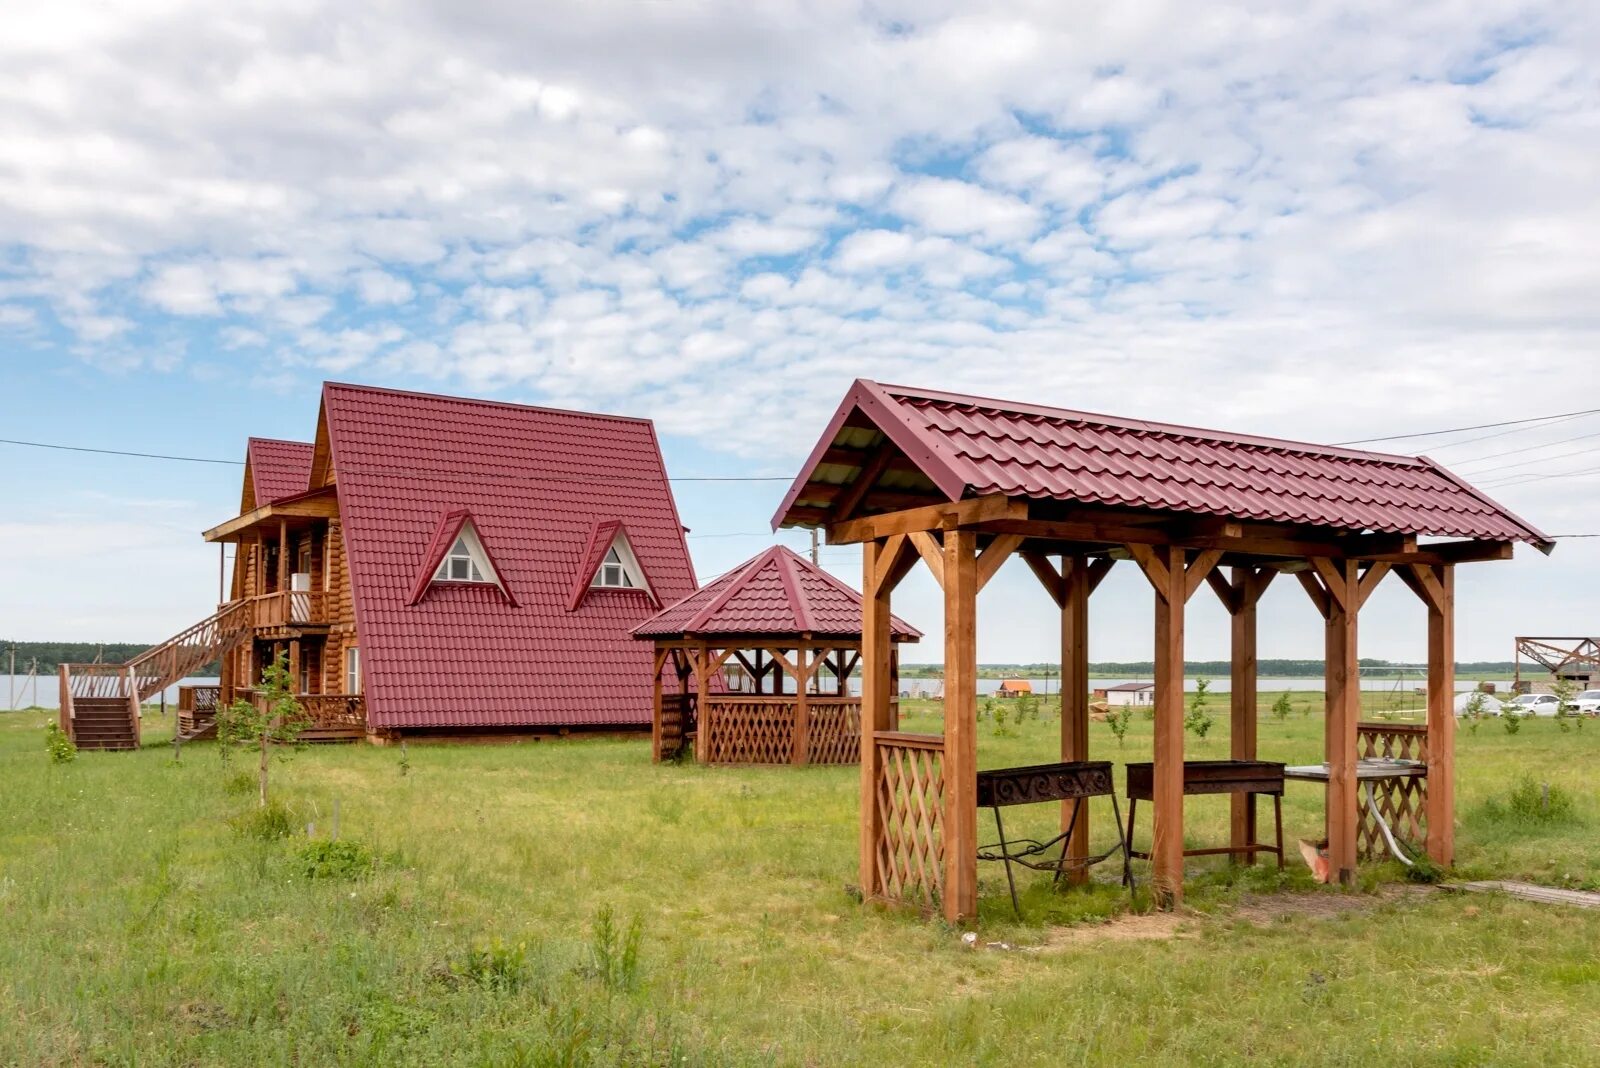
x=49 y=690
x=47 y=687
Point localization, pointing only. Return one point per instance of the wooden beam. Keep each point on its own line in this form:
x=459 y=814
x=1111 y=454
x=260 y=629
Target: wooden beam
x=932 y=551
x=1228 y=593
x=1333 y=581
x=1166 y=849
x=1369 y=580
x=1433 y=589
x=1441 y=799
x=1197 y=571
x=1099 y=567
x=322 y=506
x=849 y=500
x=1316 y=591
x=946 y=516
x=998 y=552
x=960 y=726
x=1154 y=567
x=1047 y=574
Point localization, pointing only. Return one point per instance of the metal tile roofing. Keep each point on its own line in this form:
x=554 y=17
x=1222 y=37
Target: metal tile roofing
x=535 y=481
x=974 y=446
x=278 y=468
x=776 y=592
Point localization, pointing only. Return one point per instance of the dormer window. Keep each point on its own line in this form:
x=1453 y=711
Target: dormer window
x=613 y=573
x=460 y=564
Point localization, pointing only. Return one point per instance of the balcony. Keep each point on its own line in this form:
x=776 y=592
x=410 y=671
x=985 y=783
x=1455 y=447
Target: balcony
x=290 y=609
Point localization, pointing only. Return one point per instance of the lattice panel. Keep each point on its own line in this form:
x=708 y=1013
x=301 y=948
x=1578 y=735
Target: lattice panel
x=749 y=732
x=1403 y=802
x=911 y=822
x=1401 y=741
x=835 y=732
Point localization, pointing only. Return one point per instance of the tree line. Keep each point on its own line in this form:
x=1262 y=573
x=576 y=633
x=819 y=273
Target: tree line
x=52 y=654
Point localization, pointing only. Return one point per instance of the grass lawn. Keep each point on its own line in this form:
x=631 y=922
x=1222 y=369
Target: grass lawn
x=138 y=926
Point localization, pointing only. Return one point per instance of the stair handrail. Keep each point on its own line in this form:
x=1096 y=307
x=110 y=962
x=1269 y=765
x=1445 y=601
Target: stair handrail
x=161 y=665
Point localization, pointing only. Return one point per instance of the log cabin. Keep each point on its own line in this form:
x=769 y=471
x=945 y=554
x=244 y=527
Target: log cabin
x=430 y=566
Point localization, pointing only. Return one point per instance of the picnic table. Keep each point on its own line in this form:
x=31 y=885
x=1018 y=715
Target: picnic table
x=1076 y=781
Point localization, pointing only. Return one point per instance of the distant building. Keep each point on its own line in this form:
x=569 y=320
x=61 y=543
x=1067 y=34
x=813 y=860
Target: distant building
x=929 y=689
x=1128 y=693
x=1014 y=688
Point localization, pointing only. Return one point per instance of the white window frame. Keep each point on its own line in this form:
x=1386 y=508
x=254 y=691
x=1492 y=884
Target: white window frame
x=352 y=669
x=623 y=573
x=466 y=550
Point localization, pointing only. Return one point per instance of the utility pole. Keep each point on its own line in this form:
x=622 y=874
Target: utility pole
x=814 y=546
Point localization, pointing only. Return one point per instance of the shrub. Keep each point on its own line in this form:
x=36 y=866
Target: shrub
x=1511 y=720
x=325 y=859
x=614 y=957
x=267 y=823
x=1199 y=719
x=493 y=966
x=58 y=745
x=1119 y=719
x=1531 y=804
x=1281 y=707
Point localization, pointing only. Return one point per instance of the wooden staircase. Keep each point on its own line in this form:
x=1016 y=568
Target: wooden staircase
x=100 y=702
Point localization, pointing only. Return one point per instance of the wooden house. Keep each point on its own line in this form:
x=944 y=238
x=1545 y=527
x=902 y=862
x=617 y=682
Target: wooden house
x=1141 y=694
x=1013 y=688
x=434 y=565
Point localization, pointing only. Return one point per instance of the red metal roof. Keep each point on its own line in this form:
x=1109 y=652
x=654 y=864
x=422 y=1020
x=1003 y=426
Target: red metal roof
x=777 y=593
x=278 y=468
x=973 y=446
x=535 y=482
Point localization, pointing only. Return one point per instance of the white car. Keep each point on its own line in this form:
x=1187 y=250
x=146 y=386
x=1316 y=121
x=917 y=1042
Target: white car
x=1535 y=704
x=1587 y=703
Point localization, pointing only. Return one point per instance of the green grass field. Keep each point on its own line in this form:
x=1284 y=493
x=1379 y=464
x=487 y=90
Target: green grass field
x=137 y=926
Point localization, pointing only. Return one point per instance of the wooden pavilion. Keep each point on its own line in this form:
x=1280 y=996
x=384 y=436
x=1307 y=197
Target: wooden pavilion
x=789 y=625
x=963 y=483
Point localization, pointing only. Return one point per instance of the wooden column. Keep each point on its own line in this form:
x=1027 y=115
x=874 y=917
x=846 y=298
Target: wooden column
x=1441 y=807
x=700 y=659
x=1075 y=696
x=283 y=555
x=801 y=753
x=874 y=705
x=1240 y=595
x=294 y=665
x=960 y=726
x=660 y=662
x=1166 y=850
x=1343 y=684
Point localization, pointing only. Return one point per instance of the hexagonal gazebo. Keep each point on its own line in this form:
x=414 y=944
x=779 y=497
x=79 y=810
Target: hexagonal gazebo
x=784 y=622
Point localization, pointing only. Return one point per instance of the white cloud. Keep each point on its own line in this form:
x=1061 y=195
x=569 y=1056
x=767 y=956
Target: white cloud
x=380 y=287
x=946 y=206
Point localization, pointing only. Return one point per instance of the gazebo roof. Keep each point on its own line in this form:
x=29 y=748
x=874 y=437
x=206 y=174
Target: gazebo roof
x=944 y=446
x=776 y=593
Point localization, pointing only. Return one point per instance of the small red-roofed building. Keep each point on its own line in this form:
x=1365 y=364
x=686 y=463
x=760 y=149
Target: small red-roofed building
x=435 y=565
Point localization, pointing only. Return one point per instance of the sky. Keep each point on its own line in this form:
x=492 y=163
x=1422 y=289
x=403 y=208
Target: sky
x=1319 y=221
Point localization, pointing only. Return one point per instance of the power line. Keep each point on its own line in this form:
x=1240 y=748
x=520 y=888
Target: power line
x=1464 y=429
x=1536 y=460
x=1519 y=480
x=373 y=469
x=1526 y=448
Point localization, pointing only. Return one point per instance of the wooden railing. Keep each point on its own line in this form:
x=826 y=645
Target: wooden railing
x=197 y=709
x=334 y=710
x=288 y=608
x=1403 y=801
x=761 y=730
x=910 y=818
x=191 y=649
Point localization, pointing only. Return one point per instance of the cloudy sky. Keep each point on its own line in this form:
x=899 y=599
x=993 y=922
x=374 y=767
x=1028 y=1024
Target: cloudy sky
x=1330 y=223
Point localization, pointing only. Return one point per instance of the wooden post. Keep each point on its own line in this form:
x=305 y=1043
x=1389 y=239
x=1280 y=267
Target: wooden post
x=283 y=555
x=294 y=665
x=1166 y=849
x=222 y=570
x=874 y=708
x=1242 y=707
x=1441 y=806
x=701 y=658
x=659 y=659
x=960 y=726
x=1075 y=698
x=1343 y=713
x=802 y=710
